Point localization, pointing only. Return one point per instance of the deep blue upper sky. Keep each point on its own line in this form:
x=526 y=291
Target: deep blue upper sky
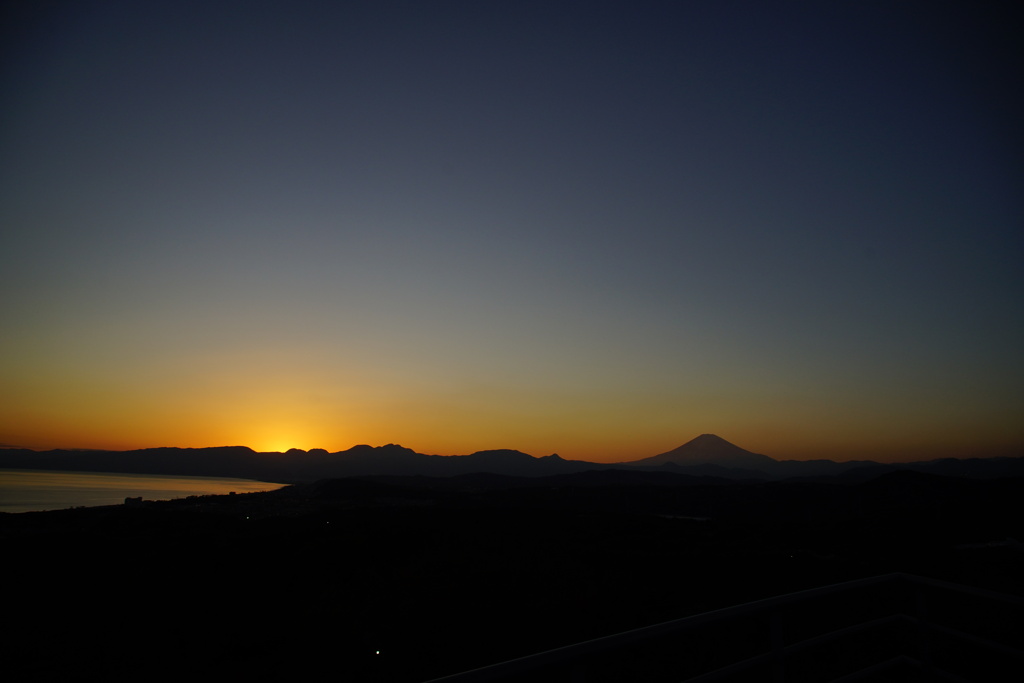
x=597 y=228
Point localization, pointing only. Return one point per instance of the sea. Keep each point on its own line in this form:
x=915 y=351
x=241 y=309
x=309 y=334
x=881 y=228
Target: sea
x=37 y=490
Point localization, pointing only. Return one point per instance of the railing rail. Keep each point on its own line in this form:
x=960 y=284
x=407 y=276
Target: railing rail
x=578 y=654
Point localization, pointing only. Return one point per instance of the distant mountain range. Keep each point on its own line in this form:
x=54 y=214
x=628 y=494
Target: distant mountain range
x=711 y=455
x=705 y=456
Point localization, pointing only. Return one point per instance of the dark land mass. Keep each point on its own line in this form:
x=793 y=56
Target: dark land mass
x=406 y=577
x=707 y=455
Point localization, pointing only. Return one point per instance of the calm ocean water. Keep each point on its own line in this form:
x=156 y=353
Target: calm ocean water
x=32 y=490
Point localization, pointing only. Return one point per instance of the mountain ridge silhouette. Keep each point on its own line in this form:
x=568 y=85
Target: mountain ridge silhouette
x=707 y=455
x=711 y=449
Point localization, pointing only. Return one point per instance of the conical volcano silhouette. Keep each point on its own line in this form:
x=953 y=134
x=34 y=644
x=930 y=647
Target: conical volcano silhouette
x=708 y=449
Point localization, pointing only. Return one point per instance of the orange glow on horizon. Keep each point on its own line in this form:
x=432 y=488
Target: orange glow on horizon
x=622 y=450
x=427 y=429
x=277 y=437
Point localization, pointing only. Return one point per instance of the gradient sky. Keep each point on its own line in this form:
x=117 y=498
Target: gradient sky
x=591 y=228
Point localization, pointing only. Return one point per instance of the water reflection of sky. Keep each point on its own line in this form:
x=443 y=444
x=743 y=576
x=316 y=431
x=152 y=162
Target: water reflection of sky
x=32 y=490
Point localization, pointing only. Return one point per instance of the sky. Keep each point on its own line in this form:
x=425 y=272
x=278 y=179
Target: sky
x=596 y=229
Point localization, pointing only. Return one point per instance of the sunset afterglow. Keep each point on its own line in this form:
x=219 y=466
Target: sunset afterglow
x=595 y=233
x=421 y=340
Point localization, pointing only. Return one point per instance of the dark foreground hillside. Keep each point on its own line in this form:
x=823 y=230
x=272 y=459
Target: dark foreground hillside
x=405 y=579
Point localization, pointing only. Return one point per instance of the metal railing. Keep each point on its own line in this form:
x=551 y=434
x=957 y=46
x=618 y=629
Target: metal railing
x=855 y=631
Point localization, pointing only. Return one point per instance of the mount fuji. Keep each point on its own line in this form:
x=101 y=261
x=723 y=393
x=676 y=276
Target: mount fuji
x=709 y=449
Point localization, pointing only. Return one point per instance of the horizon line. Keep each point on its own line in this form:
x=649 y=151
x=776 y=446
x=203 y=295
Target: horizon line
x=866 y=458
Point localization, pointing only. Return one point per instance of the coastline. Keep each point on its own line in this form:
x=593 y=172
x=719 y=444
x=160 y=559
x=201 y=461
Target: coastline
x=36 y=490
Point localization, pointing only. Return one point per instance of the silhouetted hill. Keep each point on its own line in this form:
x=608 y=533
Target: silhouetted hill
x=789 y=469
x=293 y=466
x=709 y=449
x=973 y=468
x=705 y=456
